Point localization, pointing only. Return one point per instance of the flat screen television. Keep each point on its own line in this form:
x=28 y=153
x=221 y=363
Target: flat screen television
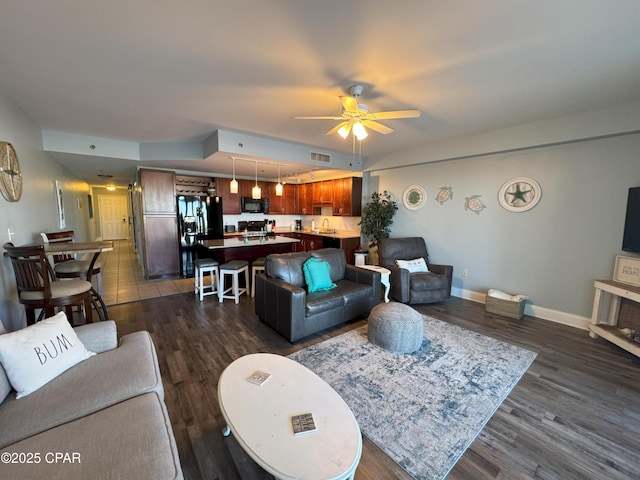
x=631 y=237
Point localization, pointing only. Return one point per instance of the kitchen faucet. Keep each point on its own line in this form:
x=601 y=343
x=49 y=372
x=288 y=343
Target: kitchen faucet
x=326 y=229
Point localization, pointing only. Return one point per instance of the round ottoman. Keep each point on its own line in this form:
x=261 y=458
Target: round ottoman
x=396 y=327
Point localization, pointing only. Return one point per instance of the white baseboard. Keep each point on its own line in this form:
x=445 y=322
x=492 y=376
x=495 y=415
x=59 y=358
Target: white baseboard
x=556 y=316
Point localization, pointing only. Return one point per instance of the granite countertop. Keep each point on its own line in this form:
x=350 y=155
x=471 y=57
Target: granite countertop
x=332 y=234
x=308 y=231
x=234 y=242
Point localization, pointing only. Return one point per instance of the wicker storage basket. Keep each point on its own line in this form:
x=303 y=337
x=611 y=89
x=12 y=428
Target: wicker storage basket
x=507 y=308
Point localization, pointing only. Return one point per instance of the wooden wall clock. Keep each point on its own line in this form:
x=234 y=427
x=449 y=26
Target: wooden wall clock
x=10 y=174
x=519 y=194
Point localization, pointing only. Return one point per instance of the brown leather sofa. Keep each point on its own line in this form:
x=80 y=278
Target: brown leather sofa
x=282 y=300
x=419 y=287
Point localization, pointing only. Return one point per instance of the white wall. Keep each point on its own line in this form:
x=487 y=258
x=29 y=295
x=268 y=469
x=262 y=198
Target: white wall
x=36 y=211
x=551 y=253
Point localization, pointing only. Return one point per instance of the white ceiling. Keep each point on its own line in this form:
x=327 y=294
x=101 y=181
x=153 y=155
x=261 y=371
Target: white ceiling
x=148 y=71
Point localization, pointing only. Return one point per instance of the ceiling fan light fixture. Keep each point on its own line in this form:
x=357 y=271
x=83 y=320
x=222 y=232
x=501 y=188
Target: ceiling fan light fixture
x=343 y=131
x=359 y=131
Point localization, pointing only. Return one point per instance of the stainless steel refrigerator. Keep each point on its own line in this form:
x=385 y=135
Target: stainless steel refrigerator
x=199 y=218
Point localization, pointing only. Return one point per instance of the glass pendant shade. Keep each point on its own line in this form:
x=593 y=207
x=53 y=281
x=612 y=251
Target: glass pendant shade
x=278 y=185
x=256 y=192
x=359 y=131
x=343 y=131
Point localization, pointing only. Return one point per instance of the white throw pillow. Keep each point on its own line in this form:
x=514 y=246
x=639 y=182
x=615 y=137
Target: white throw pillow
x=37 y=354
x=5 y=386
x=414 y=266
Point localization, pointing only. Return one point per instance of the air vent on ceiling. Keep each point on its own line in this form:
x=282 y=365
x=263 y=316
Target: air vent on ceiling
x=320 y=157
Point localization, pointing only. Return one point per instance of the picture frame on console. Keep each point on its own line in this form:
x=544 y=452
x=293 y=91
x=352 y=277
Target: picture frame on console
x=627 y=270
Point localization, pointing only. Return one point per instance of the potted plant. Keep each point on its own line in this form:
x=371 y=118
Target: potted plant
x=377 y=216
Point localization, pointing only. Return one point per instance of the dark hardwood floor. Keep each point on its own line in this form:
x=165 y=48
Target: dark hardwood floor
x=575 y=414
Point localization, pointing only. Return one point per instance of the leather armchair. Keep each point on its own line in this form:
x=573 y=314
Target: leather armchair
x=418 y=287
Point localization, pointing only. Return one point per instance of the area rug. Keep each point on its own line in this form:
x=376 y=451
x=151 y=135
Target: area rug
x=425 y=408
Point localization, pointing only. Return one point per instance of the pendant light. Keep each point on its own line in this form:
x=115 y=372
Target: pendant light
x=279 y=185
x=233 y=185
x=256 y=191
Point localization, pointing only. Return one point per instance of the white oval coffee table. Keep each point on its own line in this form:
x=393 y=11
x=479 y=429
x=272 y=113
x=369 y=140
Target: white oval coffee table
x=259 y=416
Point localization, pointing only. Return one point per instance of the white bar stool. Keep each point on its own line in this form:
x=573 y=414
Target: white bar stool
x=233 y=268
x=256 y=266
x=202 y=266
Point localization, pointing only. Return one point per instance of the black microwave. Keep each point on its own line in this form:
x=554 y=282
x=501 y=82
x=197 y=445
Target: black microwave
x=254 y=205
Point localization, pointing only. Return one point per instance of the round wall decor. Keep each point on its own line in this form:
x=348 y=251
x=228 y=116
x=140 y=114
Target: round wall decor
x=10 y=174
x=414 y=197
x=519 y=194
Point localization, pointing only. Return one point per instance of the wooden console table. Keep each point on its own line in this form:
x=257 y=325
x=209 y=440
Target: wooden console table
x=608 y=329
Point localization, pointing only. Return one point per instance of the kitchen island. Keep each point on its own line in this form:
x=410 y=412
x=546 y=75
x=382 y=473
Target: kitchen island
x=235 y=248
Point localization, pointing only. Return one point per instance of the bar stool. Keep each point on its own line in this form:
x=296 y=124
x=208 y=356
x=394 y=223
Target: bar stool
x=202 y=266
x=256 y=266
x=233 y=268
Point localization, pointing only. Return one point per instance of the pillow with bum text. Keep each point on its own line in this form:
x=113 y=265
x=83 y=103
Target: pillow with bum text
x=37 y=354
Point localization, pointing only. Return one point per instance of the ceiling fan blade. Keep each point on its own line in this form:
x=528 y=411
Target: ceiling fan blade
x=393 y=114
x=377 y=127
x=318 y=118
x=346 y=125
x=350 y=104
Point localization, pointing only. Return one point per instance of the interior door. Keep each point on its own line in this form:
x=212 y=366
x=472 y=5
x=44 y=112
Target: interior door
x=113 y=217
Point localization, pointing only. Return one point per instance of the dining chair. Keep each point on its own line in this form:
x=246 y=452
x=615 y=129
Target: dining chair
x=38 y=290
x=66 y=266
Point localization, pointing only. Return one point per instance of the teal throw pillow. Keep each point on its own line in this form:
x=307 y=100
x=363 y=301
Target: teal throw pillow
x=316 y=274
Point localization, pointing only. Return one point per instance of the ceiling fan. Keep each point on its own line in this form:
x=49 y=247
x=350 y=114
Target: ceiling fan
x=356 y=116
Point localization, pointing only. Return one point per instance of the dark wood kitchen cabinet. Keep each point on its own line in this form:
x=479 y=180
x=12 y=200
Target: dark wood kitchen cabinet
x=161 y=246
x=308 y=242
x=230 y=201
x=284 y=204
x=158 y=191
x=323 y=192
x=305 y=198
x=347 y=197
x=159 y=223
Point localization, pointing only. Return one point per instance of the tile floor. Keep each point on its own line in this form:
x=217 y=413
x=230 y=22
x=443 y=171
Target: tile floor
x=123 y=281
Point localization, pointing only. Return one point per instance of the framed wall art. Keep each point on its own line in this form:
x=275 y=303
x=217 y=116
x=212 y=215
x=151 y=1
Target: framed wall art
x=62 y=221
x=414 y=197
x=519 y=194
x=90 y=205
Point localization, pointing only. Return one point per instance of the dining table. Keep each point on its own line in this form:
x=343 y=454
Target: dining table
x=82 y=248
